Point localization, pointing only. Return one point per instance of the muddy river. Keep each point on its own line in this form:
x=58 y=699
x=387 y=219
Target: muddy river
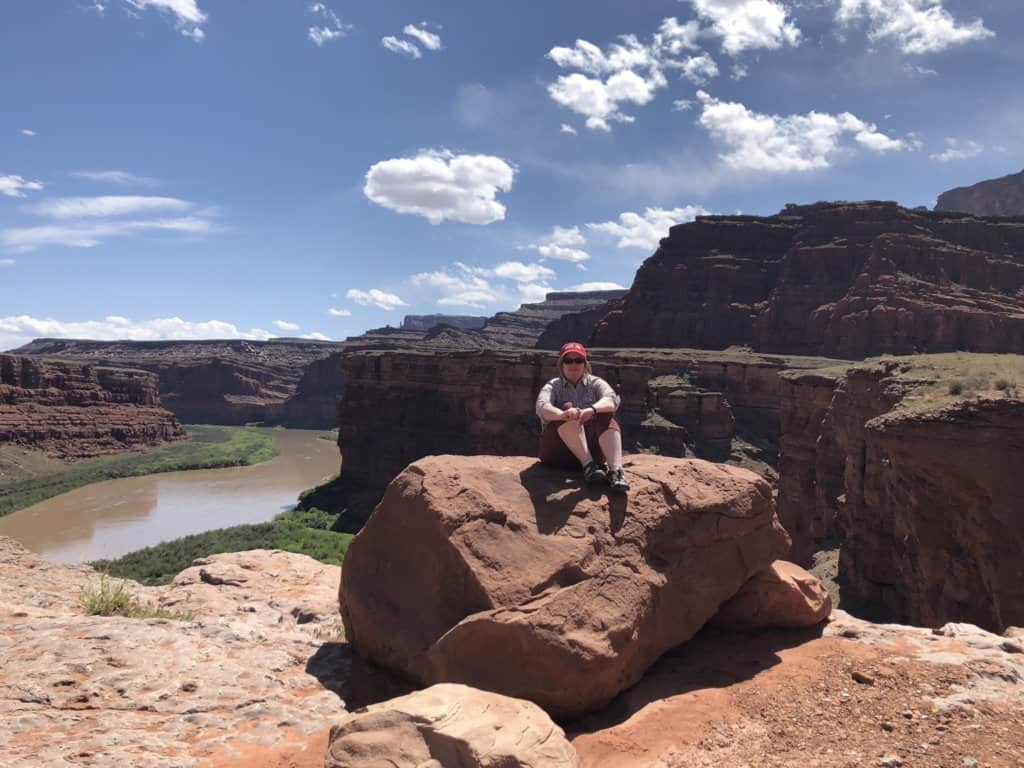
x=108 y=519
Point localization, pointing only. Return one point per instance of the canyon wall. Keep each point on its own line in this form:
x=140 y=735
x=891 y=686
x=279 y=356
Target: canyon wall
x=844 y=280
x=204 y=382
x=73 y=410
x=919 y=488
x=402 y=405
x=995 y=197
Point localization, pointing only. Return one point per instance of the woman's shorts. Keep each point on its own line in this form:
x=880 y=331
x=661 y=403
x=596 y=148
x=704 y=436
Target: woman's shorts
x=554 y=452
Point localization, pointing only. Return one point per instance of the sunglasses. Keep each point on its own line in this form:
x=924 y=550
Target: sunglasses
x=573 y=360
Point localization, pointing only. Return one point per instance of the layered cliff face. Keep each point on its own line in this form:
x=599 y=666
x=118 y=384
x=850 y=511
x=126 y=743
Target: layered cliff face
x=213 y=382
x=71 y=411
x=524 y=327
x=995 y=197
x=400 y=406
x=426 y=322
x=913 y=464
x=836 y=279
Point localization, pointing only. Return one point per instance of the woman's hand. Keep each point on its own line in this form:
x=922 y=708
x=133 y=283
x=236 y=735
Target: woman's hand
x=587 y=414
x=571 y=414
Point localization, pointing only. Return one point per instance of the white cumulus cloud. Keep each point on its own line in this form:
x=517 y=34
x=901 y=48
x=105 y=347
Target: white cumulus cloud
x=462 y=286
x=339 y=312
x=523 y=273
x=599 y=100
x=917 y=26
x=439 y=185
x=284 y=325
x=645 y=230
x=760 y=142
x=375 y=297
x=748 y=24
x=958 y=150
x=330 y=27
x=698 y=69
x=559 y=245
x=188 y=18
x=16 y=186
x=316 y=336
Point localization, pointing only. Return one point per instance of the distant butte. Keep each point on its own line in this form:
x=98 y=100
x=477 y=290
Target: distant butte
x=993 y=197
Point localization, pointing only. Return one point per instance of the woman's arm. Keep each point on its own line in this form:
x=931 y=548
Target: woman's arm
x=545 y=410
x=608 y=401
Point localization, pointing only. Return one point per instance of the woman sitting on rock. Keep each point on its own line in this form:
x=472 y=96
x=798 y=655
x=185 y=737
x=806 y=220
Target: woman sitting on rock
x=581 y=430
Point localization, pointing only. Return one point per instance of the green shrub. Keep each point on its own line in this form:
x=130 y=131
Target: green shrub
x=956 y=387
x=109 y=600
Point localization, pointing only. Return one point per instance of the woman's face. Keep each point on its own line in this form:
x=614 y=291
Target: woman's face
x=573 y=367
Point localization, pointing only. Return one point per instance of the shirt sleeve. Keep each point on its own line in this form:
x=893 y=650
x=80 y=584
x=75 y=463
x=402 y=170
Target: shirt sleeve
x=603 y=389
x=544 y=398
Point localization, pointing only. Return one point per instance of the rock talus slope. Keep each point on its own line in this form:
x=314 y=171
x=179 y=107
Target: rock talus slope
x=471 y=560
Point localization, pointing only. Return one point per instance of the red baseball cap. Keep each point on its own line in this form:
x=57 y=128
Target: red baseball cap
x=572 y=346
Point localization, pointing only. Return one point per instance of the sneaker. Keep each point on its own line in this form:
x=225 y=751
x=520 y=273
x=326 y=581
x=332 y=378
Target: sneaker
x=593 y=474
x=617 y=479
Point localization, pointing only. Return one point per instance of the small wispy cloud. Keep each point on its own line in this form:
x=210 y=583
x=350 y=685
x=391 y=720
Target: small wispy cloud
x=958 y=150
x=188 y=18
x=566 y=128
x=27 y=132
x=124 y=178
x=429 y=40
x=316 y=336
x=338 y=312
x=597 y=286
x=106 y=206
x=24 y=239
x=331 y=27
x=375 y=297
x=7 y=262
x=635 y=230
x=16 y=186
x=284 y=325
x=395 y=45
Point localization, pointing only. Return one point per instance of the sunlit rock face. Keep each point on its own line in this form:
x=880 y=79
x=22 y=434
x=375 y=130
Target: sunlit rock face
x=844 y=280
x=74 y=410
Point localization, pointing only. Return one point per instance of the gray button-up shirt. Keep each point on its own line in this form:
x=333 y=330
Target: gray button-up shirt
x=585 y=393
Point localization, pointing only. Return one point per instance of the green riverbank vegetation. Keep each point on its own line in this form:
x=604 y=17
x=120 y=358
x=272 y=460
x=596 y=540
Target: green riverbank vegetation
x=207 y=447
x=303 y=531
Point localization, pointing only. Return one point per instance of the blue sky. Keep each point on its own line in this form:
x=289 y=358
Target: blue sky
x=205 y=168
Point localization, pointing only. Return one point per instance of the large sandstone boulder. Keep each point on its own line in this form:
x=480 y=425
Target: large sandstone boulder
x=450 y=725
x=509 y=576
x=783 y=595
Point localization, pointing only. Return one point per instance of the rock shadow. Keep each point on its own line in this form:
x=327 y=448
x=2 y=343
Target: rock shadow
x=542 y=482
x=714 y=658
x=356 y=681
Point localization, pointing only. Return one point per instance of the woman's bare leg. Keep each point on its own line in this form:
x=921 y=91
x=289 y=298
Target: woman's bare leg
x=573 y=436
x=611 y=445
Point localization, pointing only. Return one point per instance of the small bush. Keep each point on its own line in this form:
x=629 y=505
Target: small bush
x=1002 y=384
x=109 y=600
x=956 y=388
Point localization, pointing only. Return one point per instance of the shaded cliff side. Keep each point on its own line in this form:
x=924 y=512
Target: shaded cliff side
x=913 y=466
x=836 y=279
x=526 y=326
x=72 y=410
x=994 y=197
x=203 y=382
x=402 y=405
